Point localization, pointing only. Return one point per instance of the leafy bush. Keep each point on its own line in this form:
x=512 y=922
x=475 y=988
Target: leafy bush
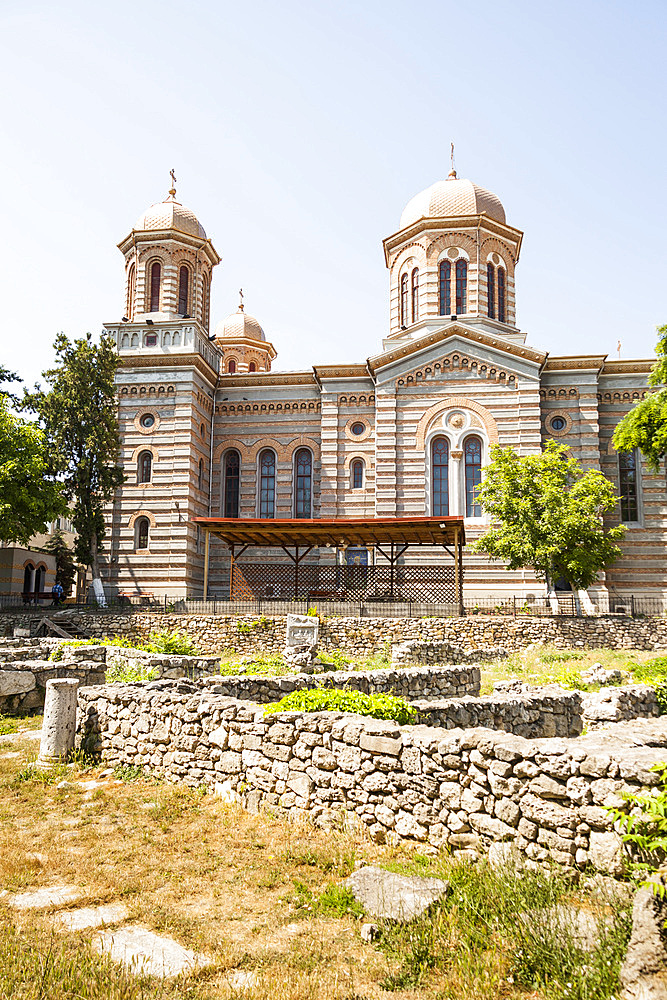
x=312 y=612
x=378 y=706
x=572 y=680
x=269 y=664
x=651 y=672
x=170 y=642
x=645 y=829
x=107 y=640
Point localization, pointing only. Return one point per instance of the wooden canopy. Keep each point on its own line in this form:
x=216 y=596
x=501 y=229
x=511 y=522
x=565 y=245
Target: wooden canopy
x=391 y=536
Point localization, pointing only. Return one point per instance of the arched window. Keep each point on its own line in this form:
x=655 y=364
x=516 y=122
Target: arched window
x=131 y=284
x=627 y=485
x=440 y=476
x=357 y=469
x=200 y=474
x=40 y=579
x=231 y=367
x=303 y=482
x=461 y=286
x=473 y=460
x=231 y=479
x=28 y=579
x=444 y=287
x=267 y=483
x=491 y=290
x=141 y=529
x=501 y=295
x=415 y=294
x=404 y=300
x=156 y=275
x=252 y=367
x=144 y=467
x=183 y=288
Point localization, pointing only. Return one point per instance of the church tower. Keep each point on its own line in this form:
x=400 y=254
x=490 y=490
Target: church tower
x=166 y=378
x=453 y=257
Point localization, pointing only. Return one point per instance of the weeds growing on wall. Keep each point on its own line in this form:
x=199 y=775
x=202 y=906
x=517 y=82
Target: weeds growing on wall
x=126 y=673
x=644 y=828
x=176 y=643
x=378 y=706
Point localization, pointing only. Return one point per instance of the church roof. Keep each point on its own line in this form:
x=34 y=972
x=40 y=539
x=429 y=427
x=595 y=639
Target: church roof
x=170 y=214
x=452 y=197
x=239 y=326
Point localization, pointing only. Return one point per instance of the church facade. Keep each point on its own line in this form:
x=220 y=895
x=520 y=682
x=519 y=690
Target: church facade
x=208 y=430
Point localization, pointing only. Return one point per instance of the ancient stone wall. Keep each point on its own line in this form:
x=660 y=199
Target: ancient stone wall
x=362 y=636
x=461 y=788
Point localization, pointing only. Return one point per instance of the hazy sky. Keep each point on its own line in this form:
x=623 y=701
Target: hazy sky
x=298 y=131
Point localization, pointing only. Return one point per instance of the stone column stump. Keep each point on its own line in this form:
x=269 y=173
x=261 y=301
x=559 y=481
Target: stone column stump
x=59 y=724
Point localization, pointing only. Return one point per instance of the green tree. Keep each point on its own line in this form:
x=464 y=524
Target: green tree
x=645 y=426
x=79 y=415
x=65 y=568
x=29 y=496
x=548 y=515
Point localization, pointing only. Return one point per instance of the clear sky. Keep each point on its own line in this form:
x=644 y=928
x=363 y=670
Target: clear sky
x=298 y=131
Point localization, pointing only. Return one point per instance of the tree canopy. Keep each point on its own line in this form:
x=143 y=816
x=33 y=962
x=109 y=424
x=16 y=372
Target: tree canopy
x=29 y=497
x=645 y=426
x=79 y=415
x=548 y=514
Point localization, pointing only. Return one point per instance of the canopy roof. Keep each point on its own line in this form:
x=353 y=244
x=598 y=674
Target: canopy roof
x=313 y=532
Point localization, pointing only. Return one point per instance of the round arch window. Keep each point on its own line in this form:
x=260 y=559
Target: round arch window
x=147 y=420
x=558 y=423
x=358 y=428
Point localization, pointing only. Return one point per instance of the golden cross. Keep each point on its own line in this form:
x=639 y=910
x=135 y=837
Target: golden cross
x=173 y=178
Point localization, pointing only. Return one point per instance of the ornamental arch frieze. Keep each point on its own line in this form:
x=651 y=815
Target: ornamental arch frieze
x=227 y=445
x=456 y=362
x=141 y=513
x=442 y=243
x=493 y=245
x=433 y=416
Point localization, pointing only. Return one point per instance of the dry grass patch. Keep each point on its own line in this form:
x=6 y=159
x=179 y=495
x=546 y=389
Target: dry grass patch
x=548 y=664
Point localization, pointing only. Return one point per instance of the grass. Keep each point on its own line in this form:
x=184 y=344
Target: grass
x=550 y=664
x=163 y=641
x=273 y=665
x=261 y=894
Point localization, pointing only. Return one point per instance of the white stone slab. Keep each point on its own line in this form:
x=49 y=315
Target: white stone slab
x=396 y=897
x=240 y=980
x=302 y=630
x=41 y=899
x=92 y=916
x=144 y=951
x=16 y=682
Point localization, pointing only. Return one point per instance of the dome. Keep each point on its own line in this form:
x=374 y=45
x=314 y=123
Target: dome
x=170 y=214
x=238 y=326
x=452 y=197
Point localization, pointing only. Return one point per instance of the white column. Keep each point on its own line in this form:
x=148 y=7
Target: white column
x=59 y=724
x=456 y=505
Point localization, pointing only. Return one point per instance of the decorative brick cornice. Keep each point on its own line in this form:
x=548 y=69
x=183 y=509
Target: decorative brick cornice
x=170 y=361
x=579 y=362
x=353 y=400
x=310 y=405
x=639 y=366
x=340 y=371
x=453 y=364
x=559 y=394
x=381 y=361
x=251 y=380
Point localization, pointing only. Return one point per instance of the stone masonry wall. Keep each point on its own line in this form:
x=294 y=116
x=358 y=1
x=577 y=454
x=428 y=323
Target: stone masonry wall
x=545 y=711
x=361 y=636
x=461 y=788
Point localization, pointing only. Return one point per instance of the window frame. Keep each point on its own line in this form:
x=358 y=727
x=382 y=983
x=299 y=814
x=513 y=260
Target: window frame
x=461 y=286
x=144 y=454
x=473 y=509
x=267 y=511
x=414 y=295
x=445 y=285
x=234 y=482
x=139 y=535
x=357 y=465
x=183 y=270
x=490 y=290
x=301 y=488
x=404 y=298
x=442 y=480
x=624 y=498
x=501 y=278
x=152 y=296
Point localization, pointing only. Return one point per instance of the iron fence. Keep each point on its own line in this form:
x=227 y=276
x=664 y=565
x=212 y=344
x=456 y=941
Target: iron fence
x=511 y=606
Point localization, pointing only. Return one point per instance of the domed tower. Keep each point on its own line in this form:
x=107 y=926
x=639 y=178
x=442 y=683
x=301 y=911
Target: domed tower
x=168 y=266
x=243 y=344
x=453 y=256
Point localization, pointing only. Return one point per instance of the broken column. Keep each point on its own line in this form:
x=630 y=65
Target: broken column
x=59 y=724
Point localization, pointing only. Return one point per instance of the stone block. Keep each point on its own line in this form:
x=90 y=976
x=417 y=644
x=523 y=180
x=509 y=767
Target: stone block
x=302 y=630
x=13 y=682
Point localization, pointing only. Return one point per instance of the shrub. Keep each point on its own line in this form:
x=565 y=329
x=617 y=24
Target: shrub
x=378 y=706
x=107 y=640
x=171 y=642
x=312 y=612
x=336 y=657
x=645 y=829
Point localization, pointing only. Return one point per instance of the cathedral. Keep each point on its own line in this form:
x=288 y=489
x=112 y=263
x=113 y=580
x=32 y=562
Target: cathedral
x=209 y=431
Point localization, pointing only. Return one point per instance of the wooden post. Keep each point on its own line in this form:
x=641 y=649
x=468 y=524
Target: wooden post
x=207 y=547
x=231 y=572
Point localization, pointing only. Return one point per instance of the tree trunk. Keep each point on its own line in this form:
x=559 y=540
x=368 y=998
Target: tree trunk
x=98 y=587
